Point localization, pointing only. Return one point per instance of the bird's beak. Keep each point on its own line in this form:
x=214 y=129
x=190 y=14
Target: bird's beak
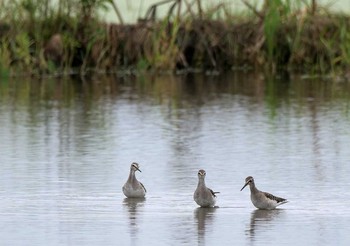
x=138 y=169
x=245 y=184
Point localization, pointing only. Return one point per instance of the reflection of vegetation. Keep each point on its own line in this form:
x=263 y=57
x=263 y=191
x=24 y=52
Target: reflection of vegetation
x=177 y=91
x=39 y=36
x=176 y=94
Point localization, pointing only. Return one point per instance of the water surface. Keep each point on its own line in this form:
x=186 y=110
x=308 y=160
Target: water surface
x=67 y=145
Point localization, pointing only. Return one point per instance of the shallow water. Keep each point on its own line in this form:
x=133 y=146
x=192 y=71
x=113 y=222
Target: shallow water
x=67 y=145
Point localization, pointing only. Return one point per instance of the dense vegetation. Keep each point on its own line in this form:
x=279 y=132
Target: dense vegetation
x=39 y=37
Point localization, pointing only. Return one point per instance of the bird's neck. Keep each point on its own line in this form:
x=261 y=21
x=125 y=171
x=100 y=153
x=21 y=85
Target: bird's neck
x=201 y=182
x=132 y=176
x=253 y=188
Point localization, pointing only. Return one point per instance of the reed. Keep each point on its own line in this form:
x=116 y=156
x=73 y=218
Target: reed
x=5 y=60
x=39 y=37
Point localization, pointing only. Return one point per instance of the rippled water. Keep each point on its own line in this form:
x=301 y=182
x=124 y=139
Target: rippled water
x=67 y=145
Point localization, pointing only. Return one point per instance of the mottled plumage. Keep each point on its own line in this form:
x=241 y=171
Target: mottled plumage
x=204 y=196
x=133 y=188
x=260 y=199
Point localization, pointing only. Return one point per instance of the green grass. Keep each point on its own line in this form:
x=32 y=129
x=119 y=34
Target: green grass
x=282 y=34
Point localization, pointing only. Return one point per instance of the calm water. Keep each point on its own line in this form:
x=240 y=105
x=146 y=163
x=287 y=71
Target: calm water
x=67 y=145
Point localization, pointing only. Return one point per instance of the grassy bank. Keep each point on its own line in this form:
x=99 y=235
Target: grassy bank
x=37 y=37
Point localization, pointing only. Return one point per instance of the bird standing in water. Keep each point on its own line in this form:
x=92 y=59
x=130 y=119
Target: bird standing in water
x=134 y=188
x=260 y=199
x=204 y=196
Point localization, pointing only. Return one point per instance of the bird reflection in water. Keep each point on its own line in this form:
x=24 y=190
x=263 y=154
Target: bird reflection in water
x=262 y=219
x=133 y=205
x=203 y=217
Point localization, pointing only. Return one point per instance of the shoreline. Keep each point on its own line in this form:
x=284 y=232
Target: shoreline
x=307 y=40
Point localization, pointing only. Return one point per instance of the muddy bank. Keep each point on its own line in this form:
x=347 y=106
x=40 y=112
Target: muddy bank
x=303 y=40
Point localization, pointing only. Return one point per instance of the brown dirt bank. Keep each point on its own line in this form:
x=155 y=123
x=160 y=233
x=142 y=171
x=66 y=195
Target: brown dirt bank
x=301 y=40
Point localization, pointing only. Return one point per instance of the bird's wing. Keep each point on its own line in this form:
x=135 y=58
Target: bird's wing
x=275 y=198
x=213 y=192
x=143 y=187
